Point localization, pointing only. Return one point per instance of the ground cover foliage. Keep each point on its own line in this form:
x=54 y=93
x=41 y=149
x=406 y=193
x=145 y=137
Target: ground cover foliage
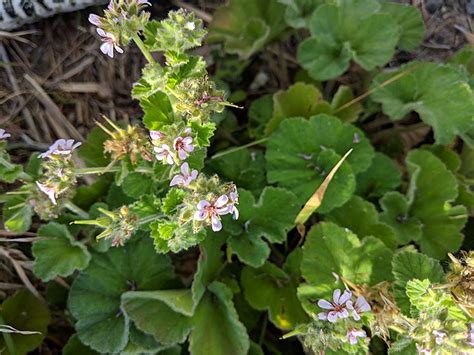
x=380 y=263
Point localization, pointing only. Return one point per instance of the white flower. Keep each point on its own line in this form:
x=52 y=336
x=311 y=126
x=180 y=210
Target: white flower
x=110 y=43
x=439 y=336
x=191 y=26
x=4 y=134
x=60 y=147
x=186 y=177
x=49 y=191
x=164 y=154
x=143 y=2
x=183 y=146
x=336 y=307
x=353 y=334
x=212 y=212
x=234 y=198
x=95 y=20
x=360 y=306
x=156 y=135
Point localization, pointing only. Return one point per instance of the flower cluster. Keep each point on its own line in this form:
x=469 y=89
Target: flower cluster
x=57 y=180
x=121 y=22
x=172 y=150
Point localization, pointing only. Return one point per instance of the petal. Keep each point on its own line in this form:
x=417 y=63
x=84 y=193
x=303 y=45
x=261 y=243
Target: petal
x=182 y=154
x=362 y=304
x=346 y=296
x=176 y=180
x=194 y=174
x=101 y=32
x=118 y=49
x=185 y=169
x=343 y=313
x=166 y=147
x=349 y=305
x=105 y=48
x=325 y=304
x=323 y=316
x=203 y=204
x=200 y=215
x=356 y=316
x=221 y=201
x=169 y=159
x=235 y=213
x=187 y=140
x=332 y=317
x=188 y=148
x=336 y=295
x=216 y=223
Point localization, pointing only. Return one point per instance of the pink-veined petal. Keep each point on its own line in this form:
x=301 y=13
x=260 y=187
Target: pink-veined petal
x=101 y=32
x=362 y=304
x=200 y=215
x=325 y=304
x=185 y=169
x=323 y=316
x=345 y=297
x=332 y=316
x=188 y=148
x=355 y=315
x=216 y=223
x=343 y=313
x=221 y=201
x=203 y=204
x=194 y=174
x=182 y=154
x=176 y=180
x=336 y=295
x=118 y=49
x=187 y=140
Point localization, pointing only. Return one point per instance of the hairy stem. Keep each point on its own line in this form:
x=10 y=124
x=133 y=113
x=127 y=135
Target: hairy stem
x=138 y=41
x=102 y=169
x=76 y=209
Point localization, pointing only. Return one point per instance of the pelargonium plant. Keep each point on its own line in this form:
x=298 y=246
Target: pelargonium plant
x=331 y=215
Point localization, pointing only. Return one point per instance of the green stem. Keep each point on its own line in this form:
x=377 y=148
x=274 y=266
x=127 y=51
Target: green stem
x=76 y=209
x=8 y=339
x=149 y=219
x=138 y=41
x=101 y=169
x=229 y=151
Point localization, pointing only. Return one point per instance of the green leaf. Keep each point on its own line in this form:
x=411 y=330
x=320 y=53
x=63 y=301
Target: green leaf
x=273 y=289
x=332 y=249
x=270 y=218
x=92 y=150
x=11 y=173
x=217 y=329
x=300 y=100
x=260 y=112
x=396 y=214
x=418 y=90
x=158 y=111
x=75 y=347
x=408 y=265
x=433 y=187
x=95 y=295
x=361 y=217
x=382 y=176
x=245 y=26
x=302 y=152
x=410 y=21
x=17 y=213
x=203 y=132
x=24 y=312
x=343 y=96
x=416 y=289
x=172 y=200
x=347 y=30
x=243 y=167
x=59 y=254
x=298 y=12
x=136 y=185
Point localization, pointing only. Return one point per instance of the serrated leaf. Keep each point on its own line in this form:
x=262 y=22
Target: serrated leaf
x=302 y=152
x=410 y=21
x=158 y=111
x=347 y=30
x=170 y=236
x=362 y=218
x=244 y=167
x=59 y=254
x=408 y=265
x=203 y=132
x=332 y=249
x=271 y=289
x=416 y=289
x=245 y=26
x=136 y=185
x=382 y=176
x=172 y=200
x=24 y=312
x=271 y=217
x=11 y=173
x=17 y=214
x=433 y=187
x=396 y=214
x=300 y=100
x=95 y=295
x=217 y=329
x=418 y=90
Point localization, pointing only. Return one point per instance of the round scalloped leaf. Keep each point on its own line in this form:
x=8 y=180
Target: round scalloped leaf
x=270 y=218
x=95 y=296
x=410 y=21
x=332 y=249
x=362 y=218
x=302 y=152
x=449 y=111
x=432 y=188
x=24 y=312
x=58 y=254
x=217 y=328
x=75 y=347
x=408 y=265
x=272 y=289
x=298 y=12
